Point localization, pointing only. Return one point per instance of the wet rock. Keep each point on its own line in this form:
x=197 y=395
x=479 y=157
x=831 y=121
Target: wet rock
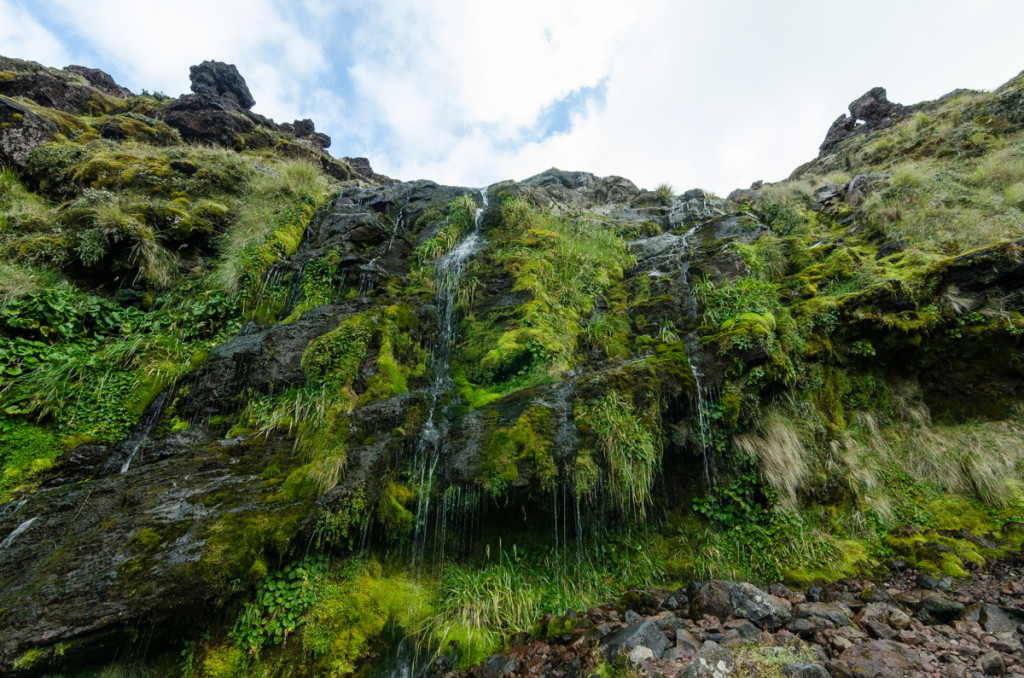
x=884 y=659
x=992 y=664
x=21 y=132
x=804 y=670
x=763 y=609
x=644 y=633
x=712 y=661
x=221 y=81
x=887 y=249
x=938 y=609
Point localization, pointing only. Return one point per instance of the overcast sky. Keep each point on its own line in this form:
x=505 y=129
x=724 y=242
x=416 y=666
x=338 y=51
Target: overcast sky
x=694 y=94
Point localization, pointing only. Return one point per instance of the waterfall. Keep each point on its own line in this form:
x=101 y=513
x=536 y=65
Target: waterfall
x=143 y=431
x=9 y=539
x=447 y=274
x=702 y=398
x=366 y=272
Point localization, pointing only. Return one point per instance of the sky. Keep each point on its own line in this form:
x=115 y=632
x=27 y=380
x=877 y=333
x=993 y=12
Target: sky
x=704 y=94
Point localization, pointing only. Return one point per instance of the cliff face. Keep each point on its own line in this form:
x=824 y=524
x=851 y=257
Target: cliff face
x=222 y=360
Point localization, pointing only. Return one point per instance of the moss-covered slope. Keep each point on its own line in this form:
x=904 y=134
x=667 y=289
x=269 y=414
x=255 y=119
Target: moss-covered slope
x=243 y=384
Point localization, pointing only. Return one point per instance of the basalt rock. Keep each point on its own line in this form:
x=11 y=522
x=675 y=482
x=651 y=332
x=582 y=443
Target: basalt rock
x=222 y=82
x=869 y=112
x=100 y=80
x=49 y=87
x=21 y=132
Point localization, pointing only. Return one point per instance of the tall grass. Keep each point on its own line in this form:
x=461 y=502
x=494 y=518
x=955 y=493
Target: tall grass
x=260 y=213
x=631 y=445
x=481 y=605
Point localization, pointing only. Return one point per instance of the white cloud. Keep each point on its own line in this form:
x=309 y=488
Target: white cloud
x=695 y=93
x=153 y=44
x=23 y=37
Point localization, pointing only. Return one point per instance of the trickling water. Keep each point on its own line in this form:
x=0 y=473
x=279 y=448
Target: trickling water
x=9 y=539
x=447 y=274
x=692 y=343
x=155 y=409
x=366 y=272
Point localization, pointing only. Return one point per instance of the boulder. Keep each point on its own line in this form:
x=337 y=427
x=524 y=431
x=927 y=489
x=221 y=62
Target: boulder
x=992 y=664
x=305 y=132
x=645 y=633
x=763 y=609
x=21 y=132
x=500 y=665
x=203 y=118
x=804 y=670
x=991 y=617
x=938 y=609
x=836 y=613
x=222 y=82
x=884 y=659
x=868 y=112
x=712 y=661
x=863 y=185
x=714 y=598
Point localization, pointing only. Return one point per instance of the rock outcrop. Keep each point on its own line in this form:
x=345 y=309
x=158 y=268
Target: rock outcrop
x=869 y=112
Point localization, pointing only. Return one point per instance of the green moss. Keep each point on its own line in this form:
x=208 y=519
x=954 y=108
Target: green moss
x=523 y=449
x=393 y=510
x=25 y=450
x=343 y=628
x=147 y=540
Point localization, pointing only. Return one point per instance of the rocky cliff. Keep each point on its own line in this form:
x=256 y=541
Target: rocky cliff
x=265 y=408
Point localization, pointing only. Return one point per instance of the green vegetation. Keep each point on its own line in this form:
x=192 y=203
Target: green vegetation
x=558 y=265
x=631 y=447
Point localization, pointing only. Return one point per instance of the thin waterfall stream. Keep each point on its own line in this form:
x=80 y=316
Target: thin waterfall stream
x=691 y=340
x=447 y=275
x=402 y=660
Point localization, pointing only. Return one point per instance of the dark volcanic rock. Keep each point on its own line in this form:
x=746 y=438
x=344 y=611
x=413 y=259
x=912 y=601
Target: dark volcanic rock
x=714 y=598
x=21 y=132
x=642 y=633
x=204 y=118
x=100 y=80
x=221 y=81
x=106 y=555
x=45 y=86
x=884 y=659
x=764 y=610
x=868 y=112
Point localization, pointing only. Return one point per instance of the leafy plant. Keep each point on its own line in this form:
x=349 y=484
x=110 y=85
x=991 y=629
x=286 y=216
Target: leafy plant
x=277 y=607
